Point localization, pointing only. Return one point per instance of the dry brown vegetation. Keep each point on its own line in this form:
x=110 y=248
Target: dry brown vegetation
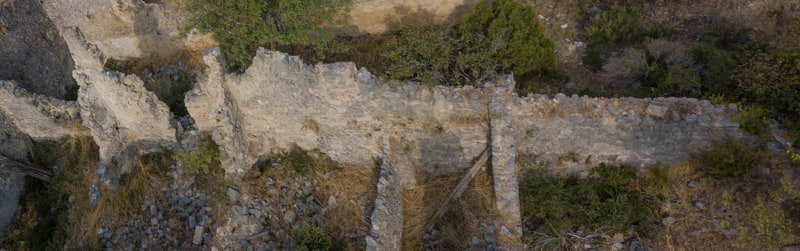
x=354 y=189
x=716 y=215
x=463 y=216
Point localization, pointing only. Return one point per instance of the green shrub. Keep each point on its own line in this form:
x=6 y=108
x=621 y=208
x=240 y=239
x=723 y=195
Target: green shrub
x=772 y=80
x=608 y=30
x=241 y=26
x=611 y=204
x=426 y=54
x=753 y=119
x=731 y=159
x=311 y=238
x=527 y=49
x=206 y=157
x=500 y=37
x=677 y=80
x=716 y=67
x=723 y=32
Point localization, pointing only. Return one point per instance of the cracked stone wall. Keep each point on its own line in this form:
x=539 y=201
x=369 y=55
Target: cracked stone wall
x=280 y=102
x=121 y=115
x=641 y=132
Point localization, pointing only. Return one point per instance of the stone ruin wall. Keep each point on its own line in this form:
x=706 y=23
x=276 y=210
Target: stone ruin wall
x=356 y=118
x=345 y=112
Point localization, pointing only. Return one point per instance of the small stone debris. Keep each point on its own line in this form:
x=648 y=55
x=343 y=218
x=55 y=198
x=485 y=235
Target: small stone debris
x=668 y=221
x=198 y=235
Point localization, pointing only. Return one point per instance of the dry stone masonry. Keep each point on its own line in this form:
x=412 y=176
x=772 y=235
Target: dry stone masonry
x=121 y=115
x=347 y=113
x=280 y=102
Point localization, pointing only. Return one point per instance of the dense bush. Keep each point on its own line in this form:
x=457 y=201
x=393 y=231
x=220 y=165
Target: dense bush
x=607 y=31
x=611 y=204
x=731 y=159
x=241 y=26
x=715 y=68
x=499 y=36
x=772 y=79
x=526 y=49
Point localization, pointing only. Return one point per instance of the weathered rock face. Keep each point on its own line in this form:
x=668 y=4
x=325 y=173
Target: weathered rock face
x=32 y=52
x=122 y=116
x=377 y=16
x=37 y=116
x=13 y=144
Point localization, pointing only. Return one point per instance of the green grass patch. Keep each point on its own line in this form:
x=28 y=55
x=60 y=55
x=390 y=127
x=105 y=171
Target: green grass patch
x=204 y=158
x=613 y=202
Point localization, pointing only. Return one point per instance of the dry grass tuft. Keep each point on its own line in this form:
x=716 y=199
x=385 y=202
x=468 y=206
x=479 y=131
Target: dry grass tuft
x=463 y=216
x=419 y=204
x=354 y=189
x=749 y=209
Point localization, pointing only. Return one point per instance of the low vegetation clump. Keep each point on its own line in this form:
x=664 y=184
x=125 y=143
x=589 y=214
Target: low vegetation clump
x=619 y=25
x=731 y=158
x=615 y=201
x=753 y=119
x=716 y=54
x=310 y=238
x=498 y=37
x=243 y=26
x=50 y=212
x=206 y=157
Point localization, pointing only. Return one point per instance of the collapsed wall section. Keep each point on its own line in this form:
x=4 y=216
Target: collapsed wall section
x=121 y=115
x=37 y=116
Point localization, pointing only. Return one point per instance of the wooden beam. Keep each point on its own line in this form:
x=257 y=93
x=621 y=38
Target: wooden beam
x=25 y=168
x=461 y=187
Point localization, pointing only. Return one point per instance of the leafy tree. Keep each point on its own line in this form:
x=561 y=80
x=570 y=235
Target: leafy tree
x=241 y=26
